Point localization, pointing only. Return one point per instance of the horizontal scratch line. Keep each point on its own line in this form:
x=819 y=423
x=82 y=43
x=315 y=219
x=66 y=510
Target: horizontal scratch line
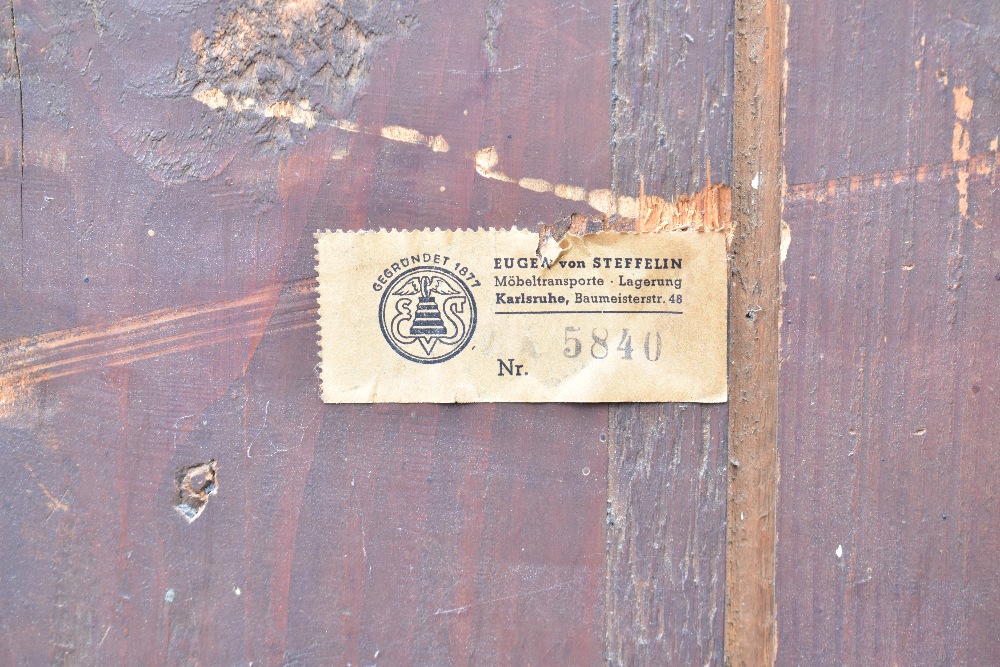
x=979 y=165
x=151 y=320
x=457 y=610
x=146 y=336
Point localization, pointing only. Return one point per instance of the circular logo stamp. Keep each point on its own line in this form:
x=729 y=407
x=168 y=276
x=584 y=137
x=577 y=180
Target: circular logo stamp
x=427 y=314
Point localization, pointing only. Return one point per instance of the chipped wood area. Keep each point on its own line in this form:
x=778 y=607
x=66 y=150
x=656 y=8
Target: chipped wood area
x=195 y=485
x=707 y=210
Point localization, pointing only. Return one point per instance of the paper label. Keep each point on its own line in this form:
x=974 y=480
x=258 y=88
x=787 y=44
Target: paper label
x=478 y=316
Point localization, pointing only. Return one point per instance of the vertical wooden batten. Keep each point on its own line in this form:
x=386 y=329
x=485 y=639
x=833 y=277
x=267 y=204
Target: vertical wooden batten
x=671 y=130
x=750 y=635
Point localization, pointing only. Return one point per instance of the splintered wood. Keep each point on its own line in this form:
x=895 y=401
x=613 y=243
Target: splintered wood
x=707 y=211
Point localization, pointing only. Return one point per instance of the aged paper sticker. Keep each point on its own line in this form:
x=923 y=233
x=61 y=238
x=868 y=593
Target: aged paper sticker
x=478 y=316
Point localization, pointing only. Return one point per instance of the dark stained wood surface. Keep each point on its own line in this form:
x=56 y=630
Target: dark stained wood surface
x=888 y=392
x=164 y=314
x=156 y=286
x=671 y=114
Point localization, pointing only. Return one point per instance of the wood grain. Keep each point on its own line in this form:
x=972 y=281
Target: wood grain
x=671 y=115
x=12 y=134
x=888 y=390
x=156 y=258
x=753 y=332
x=163 y=315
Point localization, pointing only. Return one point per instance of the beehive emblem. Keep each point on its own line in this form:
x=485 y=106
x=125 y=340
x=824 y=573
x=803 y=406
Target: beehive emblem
x=427 y=314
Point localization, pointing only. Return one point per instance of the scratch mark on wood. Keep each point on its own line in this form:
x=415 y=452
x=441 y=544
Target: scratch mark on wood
x=299 y=113
x=302 y=113
x=516 y=596
x=52 y=502
x=786 y=240
x=494 y=13
x=984 y=164
x=410 y=136
x=29 y=360
x=492 y=70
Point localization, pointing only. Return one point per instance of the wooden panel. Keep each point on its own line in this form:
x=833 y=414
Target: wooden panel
x=672 y=110
x=888 y=390
x=165 y=318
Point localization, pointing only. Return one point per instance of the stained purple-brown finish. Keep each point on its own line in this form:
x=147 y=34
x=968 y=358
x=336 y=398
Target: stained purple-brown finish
x=158 y=304
x=888 y=393
x=159 y=313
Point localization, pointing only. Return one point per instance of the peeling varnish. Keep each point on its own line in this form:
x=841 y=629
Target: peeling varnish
x=786 y=240
x=303 y=114
x=960 y=143
x=408 y=135
x=299 y=114
x=279 y=53
x=295 y=9
x=708 y=210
